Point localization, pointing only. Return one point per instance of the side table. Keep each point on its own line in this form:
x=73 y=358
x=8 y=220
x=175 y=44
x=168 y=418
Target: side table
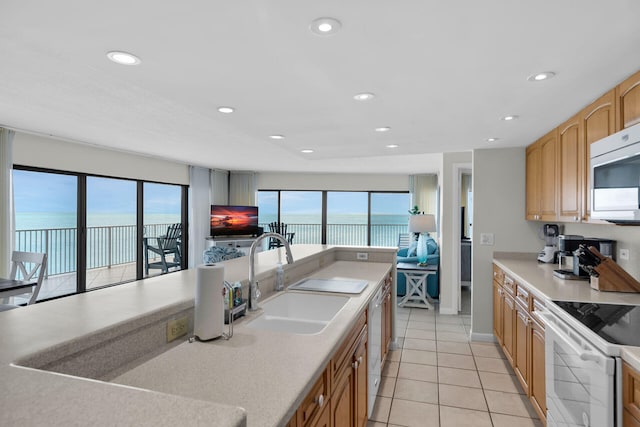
x=416 y=276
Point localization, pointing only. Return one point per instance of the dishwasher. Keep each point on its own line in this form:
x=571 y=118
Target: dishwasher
x=374 y=348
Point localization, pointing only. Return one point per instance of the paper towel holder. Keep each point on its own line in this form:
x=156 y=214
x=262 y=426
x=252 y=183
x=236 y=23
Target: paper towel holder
x=232 y=314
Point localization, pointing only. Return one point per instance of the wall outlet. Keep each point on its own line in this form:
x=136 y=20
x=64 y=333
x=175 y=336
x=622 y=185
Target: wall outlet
x=177 y=328
x=624 y=254
x=486 y=239
x=362 y=256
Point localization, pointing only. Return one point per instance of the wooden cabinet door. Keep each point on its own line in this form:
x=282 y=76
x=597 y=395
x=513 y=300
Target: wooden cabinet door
x=537 y=382
x=629 y=102
x=521 y=346
x=324 y=420
x=548 y=179
x=533 y=182
x=342 y=400
x=570 y=173
x=508 y=320
x=497 y=311
x=598 y=121
x=360 y=383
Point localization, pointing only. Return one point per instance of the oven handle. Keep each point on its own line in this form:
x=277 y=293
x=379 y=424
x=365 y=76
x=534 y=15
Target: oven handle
x=586 y=355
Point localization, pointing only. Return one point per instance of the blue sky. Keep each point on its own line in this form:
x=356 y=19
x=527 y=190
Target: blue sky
x=48 y=192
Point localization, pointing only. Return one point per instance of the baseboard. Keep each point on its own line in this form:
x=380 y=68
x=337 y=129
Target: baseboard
x=449 y=311
x=476 y=336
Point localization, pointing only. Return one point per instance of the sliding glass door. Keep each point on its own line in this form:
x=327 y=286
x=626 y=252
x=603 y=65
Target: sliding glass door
x=46 y=221
x=111 y=231
x=92 y=228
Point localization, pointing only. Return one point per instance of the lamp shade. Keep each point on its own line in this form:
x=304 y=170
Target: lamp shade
x=422 y=223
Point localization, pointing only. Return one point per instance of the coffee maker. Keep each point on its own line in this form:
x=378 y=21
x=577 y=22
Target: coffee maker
x=568 y=244
x=550 y=234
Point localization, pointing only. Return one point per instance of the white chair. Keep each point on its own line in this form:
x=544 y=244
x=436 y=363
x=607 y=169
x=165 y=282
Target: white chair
x=29 y=264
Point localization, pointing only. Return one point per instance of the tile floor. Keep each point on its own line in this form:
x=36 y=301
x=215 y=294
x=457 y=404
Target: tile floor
x=438 y=378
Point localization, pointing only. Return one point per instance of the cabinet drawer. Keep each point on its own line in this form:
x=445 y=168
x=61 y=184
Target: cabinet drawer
x=509 y=285
x=629 y=420
x=342 y=359
x=522 y=296
x=498 y=274
x=537 y=306
x=315 y=401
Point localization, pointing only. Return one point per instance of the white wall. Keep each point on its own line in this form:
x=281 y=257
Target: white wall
x=43 y=152
x=332 y=181
x=498 y=208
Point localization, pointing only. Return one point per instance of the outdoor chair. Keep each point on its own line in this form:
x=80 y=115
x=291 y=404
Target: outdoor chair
x=29 y=264
x=167 y=248
x=280 y=228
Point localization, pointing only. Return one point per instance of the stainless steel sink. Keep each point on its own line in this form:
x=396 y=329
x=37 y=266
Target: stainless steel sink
x=298 y=313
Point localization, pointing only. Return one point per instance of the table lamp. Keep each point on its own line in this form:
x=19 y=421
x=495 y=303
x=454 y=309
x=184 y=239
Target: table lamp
x=422 y=224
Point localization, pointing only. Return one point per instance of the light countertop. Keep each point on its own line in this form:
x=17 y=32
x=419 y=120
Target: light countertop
x=189 y=384
x=524 y=268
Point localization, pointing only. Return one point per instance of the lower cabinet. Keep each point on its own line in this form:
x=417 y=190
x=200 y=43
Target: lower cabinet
x=630 y=396
x=339 y=397
x=387 y=322
x=520 y=332
x=537 y=383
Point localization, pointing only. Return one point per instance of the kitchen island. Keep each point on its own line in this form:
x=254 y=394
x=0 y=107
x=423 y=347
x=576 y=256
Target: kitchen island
x=57 y=358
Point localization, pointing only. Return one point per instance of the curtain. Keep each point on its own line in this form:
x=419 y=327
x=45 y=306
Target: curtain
x=242 y=188
x=199 y=213
x=219 y=187
x=424 y=189
x=6 y=194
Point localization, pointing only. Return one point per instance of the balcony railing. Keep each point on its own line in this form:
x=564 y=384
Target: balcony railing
x=116 y=245
x=106 y=246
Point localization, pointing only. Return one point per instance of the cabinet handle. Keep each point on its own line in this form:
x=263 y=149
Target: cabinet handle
x=355 y=365
x=360 y=360
x=320 y=400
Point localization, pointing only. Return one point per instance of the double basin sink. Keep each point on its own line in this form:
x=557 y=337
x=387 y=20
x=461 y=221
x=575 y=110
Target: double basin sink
x=298 y=313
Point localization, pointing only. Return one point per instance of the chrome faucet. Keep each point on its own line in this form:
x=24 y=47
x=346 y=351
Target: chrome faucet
x=254 y=291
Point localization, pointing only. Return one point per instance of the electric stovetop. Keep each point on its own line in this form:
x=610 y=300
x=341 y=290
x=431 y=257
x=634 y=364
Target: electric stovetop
x=617 y=324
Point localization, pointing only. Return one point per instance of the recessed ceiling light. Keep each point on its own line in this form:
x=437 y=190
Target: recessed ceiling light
x=383 y=129
x=365 y=96
x=307 y=151
x=508 y=118
x=492 y=139
x=276 y=136
x=325 y=26
x=226 y=110
x=392 y=146
x=541 y=76
x=123 y=58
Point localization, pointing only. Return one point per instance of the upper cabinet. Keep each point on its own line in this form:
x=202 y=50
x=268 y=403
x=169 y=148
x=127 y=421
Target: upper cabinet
x=570 y=167
x=541 y=178
x=558 y=181
x=629 y=101
x=598 y=121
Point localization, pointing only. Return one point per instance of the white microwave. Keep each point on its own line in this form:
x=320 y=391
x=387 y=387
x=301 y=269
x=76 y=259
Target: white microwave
x=615 y=177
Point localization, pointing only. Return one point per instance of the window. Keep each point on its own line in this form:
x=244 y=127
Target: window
x=347 y=218
x=51 y=206
x=46 y=220
x=350 y=217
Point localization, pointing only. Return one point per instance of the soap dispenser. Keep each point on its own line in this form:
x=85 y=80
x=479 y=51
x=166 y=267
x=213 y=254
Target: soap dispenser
x=279 y=277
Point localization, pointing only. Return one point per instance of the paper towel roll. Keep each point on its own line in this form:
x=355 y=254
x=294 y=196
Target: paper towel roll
x=209 y=304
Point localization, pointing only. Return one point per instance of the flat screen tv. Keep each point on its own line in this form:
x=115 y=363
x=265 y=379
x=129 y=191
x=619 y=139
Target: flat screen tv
x=234 y=220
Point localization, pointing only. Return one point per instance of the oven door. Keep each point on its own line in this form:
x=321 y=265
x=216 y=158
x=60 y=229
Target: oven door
x=579 y=379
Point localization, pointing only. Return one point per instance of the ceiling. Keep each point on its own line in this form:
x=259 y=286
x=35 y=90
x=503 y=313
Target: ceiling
x=443 y=72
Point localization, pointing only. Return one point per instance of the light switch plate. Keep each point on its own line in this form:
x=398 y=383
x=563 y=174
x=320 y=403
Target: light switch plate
x=486 y=239
x=624 y=254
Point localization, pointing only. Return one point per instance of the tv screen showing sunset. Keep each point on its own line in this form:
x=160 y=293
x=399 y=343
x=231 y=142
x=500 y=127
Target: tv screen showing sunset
x=234 y=218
